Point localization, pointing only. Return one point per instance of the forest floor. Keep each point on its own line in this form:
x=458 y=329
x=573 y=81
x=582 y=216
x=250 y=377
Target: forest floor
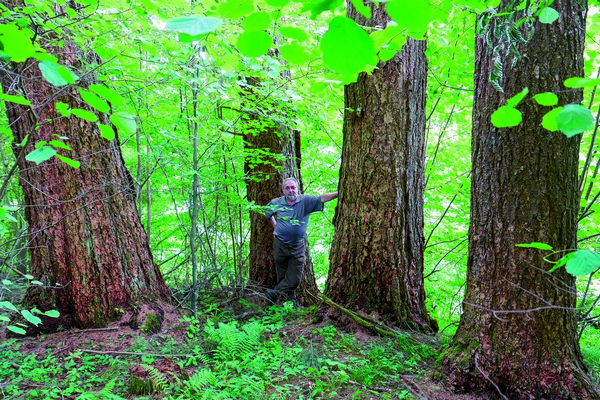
x=247 y=353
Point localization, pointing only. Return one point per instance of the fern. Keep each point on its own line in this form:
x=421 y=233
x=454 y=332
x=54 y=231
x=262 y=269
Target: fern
x=107 y=391
x=158 y=377
x=233 y=343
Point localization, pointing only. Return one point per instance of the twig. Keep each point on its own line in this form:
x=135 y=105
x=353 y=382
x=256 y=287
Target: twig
x=248 y=315
x=130 y=353
x=96 y=330
x=373 y=388
x=488 y=378
x=420 y=394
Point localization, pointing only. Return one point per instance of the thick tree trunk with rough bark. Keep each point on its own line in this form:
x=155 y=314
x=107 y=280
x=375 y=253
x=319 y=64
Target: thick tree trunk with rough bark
x=376 y=259
x=84 y=232
x=523 y=190
x=279 y=148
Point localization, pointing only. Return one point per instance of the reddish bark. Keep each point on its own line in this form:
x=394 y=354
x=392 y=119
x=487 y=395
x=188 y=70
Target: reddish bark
x=523 y=189
x=85 y=233
x=376 y=260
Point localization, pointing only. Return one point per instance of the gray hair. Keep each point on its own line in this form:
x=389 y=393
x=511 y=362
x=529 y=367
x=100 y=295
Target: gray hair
x=291 y=178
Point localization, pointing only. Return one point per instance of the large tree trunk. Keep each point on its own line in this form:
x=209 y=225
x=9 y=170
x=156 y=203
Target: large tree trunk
x=85 y=233
x=523 y=190
x=376 y=259
x=269 y=139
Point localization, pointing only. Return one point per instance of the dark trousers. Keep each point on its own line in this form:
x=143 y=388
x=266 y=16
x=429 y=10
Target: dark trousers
x=289 y=265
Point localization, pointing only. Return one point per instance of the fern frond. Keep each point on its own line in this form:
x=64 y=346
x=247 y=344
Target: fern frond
x=159 y=379
x=108 y=389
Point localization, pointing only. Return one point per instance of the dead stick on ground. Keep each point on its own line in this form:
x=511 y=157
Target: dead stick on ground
x=373 y=388
x=97 y=330
x=420 y=393
x=129 y=353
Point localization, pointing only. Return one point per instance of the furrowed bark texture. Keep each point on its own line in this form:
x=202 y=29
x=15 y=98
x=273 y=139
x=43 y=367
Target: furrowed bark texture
x=263 y=185
x=376 y=259
x=84 y=231
x=523 y=190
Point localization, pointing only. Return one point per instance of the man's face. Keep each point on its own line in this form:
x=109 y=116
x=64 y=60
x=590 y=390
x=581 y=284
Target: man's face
x=290 y=191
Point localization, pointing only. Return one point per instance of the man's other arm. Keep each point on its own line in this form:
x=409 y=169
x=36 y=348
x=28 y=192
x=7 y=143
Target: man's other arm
x=272 y=221
x=328 y=197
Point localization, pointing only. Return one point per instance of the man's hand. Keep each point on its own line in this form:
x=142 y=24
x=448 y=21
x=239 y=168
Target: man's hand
x=328 y=197
x=272 y=222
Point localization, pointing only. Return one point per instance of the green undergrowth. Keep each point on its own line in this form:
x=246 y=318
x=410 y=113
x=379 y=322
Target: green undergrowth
x=590 y=349
x=281 y=355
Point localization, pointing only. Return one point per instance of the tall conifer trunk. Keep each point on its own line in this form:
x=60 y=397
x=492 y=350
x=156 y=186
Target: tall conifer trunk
x=523 y=189
x=376 y=259
x=85 y=233
x=269 y=139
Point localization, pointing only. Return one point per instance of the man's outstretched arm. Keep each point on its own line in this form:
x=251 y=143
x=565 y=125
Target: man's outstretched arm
x=328 y=197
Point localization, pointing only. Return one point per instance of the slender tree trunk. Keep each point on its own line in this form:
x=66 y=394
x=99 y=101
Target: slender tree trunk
x=376 y=259
x=85 y=233
x=263 y=185
x=523 y=189
x=195 y=206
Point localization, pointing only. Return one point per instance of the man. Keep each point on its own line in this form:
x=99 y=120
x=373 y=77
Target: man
x=293 y=211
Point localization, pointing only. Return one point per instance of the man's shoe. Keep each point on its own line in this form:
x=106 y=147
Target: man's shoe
x=271 y=297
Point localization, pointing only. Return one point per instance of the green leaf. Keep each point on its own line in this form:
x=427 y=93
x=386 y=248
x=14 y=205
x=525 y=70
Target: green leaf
x=392 y=33
x=414 y=15
x=347 y=48
x=576 y=82
x=4 y=319
x=546 y=99
x=6 y=281
x=278 y=3
x=16 y=329
x=516 y=99
x=193 y=25
x=317 y=7
x=84 y=114
x=68 y=161
x=59 y=144
x=234 y=9
x=574 y=119
x=52 y=313
x=16 y=43
x=387 y=54
x=254 y=44
x=506 y=116
x=294 y=54
x=257 y=21
x=67 y=75
x=28 y=276
x=549 y=120
x=9 y=305
x=106 y=132
x=124 y=122
x=109 y=94
x=583 y=262
x=63 y=109
x=94 y=101
x=15 y=99
x=31 y=318
x=536 y=245
x=361 y=8
x=38 y=282
x=548 y=15
x=293 y=33
x=54 y=72
x=40 y=155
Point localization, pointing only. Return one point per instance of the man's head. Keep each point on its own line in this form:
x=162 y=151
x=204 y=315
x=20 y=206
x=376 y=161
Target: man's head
x=290 y=188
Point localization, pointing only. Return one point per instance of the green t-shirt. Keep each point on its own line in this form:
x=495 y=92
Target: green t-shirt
x=292 y=220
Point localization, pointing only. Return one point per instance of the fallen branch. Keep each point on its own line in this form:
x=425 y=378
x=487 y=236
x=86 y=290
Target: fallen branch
x=373 y=388
x=130 y=353
x=420 y=394
x=96 y=330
